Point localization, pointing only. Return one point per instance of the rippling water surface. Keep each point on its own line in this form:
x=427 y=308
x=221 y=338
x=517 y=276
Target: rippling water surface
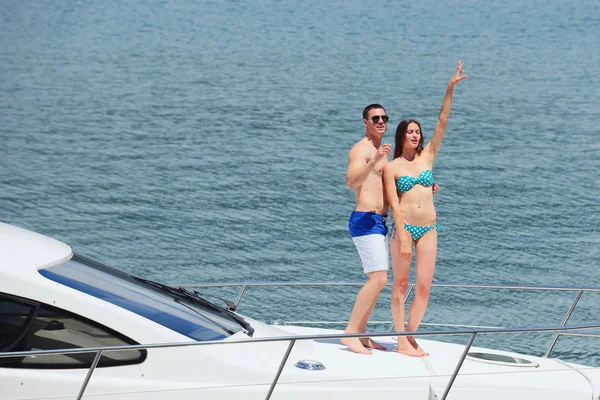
x=207 y=141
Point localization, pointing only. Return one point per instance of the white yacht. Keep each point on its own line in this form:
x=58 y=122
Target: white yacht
x=72 y=328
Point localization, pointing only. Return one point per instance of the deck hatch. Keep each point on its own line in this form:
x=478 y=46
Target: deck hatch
x=501 y=359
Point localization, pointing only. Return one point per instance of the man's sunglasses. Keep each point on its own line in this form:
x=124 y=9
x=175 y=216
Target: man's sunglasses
x=375 y=118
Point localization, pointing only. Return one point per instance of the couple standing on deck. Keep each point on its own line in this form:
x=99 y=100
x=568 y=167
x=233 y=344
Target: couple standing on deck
x=406 y=186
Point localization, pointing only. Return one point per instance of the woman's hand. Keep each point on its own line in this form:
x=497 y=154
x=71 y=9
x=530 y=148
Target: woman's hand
x=457 y=77
x=405 y=245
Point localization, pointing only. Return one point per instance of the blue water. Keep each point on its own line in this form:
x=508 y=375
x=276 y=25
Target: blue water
x=207 y=141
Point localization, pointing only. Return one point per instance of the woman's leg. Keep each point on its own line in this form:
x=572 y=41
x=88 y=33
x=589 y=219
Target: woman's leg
x=400 y=268
x=425 y=253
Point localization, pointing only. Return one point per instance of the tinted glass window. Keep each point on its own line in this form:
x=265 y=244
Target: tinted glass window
x=15 y=316
x=43 y=327
x=111 y=285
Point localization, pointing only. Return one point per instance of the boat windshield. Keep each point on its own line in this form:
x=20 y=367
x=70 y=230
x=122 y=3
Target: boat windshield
x=173 y=308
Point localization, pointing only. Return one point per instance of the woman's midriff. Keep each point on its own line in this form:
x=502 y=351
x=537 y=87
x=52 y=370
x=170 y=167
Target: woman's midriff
x=417 y=206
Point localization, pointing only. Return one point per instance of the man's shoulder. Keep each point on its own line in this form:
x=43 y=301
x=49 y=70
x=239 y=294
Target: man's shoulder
x=363 y=145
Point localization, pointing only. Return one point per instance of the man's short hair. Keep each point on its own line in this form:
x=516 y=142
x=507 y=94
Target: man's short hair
x=369 y=108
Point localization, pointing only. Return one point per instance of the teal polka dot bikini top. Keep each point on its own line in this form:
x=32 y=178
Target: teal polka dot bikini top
x=405 y=182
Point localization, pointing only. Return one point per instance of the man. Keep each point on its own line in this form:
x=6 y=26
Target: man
x=367 y=222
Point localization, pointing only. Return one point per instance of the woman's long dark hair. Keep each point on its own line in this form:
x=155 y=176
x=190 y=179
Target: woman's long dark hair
x=401 y=134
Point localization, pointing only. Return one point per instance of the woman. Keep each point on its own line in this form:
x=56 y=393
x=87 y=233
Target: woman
x=408 y=180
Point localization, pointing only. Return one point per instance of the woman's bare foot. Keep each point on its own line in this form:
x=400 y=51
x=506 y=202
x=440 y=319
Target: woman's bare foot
x=370 y=343
x=406 y=348
x=415 y=345
x=355 y=345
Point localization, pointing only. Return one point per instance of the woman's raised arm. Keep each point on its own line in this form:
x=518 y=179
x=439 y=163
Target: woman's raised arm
x=440 y=127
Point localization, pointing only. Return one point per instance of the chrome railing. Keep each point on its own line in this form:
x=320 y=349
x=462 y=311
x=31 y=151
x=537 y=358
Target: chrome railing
x=292 y=341
x=473 y=331
x=579 y=293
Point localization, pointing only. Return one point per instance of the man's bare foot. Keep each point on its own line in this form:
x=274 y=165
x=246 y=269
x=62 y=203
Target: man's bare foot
x=415 y=345
x=406 y=348
x=370 y=343
x=355 y=345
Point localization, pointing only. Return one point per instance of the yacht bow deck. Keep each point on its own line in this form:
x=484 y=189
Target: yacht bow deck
x=439 y=372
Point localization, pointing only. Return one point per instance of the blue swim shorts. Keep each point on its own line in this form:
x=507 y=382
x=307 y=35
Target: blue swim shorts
x=369 y=234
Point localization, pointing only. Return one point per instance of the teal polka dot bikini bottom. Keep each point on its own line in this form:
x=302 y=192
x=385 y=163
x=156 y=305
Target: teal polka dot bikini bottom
x=417 y=231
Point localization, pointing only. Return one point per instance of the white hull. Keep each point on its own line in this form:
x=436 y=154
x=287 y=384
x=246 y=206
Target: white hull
x=236 y=370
